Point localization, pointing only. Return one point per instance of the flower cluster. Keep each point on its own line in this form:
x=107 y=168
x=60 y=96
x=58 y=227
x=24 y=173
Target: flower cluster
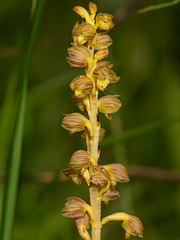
x=89 y=49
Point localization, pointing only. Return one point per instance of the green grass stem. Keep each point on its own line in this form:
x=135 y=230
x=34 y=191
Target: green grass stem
x=158 y=6
x=14 y=158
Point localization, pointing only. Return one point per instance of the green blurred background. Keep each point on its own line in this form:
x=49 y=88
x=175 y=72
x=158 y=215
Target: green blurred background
x=146 y=55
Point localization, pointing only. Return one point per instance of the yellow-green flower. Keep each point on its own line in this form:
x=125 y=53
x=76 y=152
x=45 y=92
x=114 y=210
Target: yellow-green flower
x=104 y=21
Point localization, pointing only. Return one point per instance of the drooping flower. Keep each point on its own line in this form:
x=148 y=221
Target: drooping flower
x=131 y=224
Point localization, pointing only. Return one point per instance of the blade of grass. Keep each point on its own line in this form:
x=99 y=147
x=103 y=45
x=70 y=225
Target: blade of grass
x=10 y=191
x=7 y=114
x=111 y=140
x=33 y=8
x=158 y=6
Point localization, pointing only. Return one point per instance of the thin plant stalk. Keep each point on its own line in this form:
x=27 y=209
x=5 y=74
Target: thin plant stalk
x=14 y=158
x=158 y=6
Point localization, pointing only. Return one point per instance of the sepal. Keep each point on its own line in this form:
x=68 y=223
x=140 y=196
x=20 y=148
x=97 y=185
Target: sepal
x=102 y=41
x=101 y=54
x=92 y=8
x=82 y=12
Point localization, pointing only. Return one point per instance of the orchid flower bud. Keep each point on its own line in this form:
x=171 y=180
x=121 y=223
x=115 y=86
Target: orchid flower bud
x=76 y=207
x=109 y=104
x=81 y=159
x=104 y=21
x=76 y=122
